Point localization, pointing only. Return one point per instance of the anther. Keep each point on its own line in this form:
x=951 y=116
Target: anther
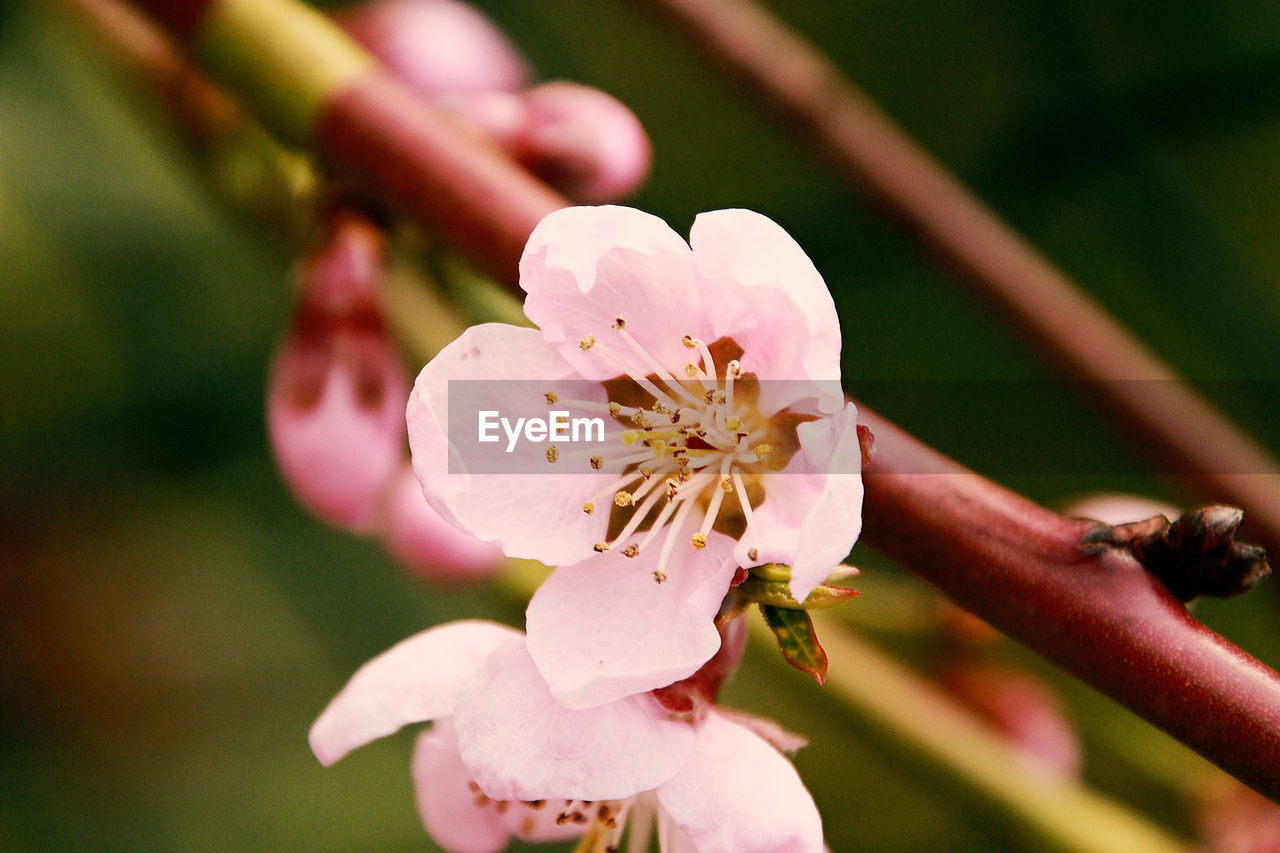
x=588 y=507
x=733 y=422
x=629 y=437
x=597 y=462
x=734 y=369
x=699 y=541
x=536 y=804
x=624 y=498
x=646 y=472
x=763 y=450
x=691 y=370
x=600 y=547
x=660 y=577
x=631 y=550
x=553 y=453
x=620 y=322
x=615 y=409
x=673 y=488
x=587 y=343
x=689 y=342
x=552 y=398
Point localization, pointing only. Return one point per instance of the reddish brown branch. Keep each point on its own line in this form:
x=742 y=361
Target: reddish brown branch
x=1095 y=612
x=1170 y=419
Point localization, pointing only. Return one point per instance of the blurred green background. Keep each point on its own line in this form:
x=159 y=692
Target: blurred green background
x=171 y=622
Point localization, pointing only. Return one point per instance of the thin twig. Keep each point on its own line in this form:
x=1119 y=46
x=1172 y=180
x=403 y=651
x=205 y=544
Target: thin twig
x=1166 y=416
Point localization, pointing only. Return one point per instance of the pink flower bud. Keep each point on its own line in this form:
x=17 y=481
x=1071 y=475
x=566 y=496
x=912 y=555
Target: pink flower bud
x=583 y=142
x=431 y=547
x=1025 y=710
x=437 y=47
x=337 y=390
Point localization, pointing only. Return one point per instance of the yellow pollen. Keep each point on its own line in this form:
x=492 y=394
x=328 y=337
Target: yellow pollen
x=552 y=398
x=673 y=487
x=588 y=507
x=629 y=437
x=763 y=450
x=718 y=397
x=600 y=547
x=733 y=422
x=620 y=322
x=699 y=541
x=587 y=343
x=691 y=370
x=631 y=550
x=638 y=419
x=689 y=342
x=646 y=472
x=659 y=448
x=623 y=498
x=726 y=484
x=597 y=462
x=660 y=577
x=553 y=453
x=615 y=409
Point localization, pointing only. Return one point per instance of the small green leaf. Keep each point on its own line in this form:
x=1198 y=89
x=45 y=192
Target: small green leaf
x=797 y=639
x=778 y=594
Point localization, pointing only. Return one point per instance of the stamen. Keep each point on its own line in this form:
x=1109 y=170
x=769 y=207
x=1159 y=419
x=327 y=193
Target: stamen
x=620 y=322
x=587 y=343
x=552 y=398
x=654 y=367
x=746 y=511
x=600 y=547
x=623 y=498
x=553 y=453
x=763 y=450
x=588 y=507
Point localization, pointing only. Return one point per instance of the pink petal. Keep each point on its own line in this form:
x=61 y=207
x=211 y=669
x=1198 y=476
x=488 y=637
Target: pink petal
x=462 y=819
x=453 y=814
x=509 y=510
x=520 y=744
x=770 y=299
x=415 y=680
x=585 y=266
x=425 y=543
x=737 y=794
x=605 y=628
x=812 y=512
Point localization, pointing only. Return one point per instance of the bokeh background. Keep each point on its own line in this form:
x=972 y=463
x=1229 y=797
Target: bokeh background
x=171 y=622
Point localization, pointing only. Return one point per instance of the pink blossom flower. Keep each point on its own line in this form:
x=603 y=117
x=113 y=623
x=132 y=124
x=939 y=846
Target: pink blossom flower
x=504 y=758
x=724 y=448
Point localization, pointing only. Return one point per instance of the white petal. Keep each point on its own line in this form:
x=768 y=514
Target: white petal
x=520 y=744
x=415 y=680
x=585 y=266
x=480 y=487
x=605 y=628
x=771 y=299
x=737 y=794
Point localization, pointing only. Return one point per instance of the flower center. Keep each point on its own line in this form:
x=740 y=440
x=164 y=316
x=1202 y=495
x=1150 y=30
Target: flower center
x=693 y=452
